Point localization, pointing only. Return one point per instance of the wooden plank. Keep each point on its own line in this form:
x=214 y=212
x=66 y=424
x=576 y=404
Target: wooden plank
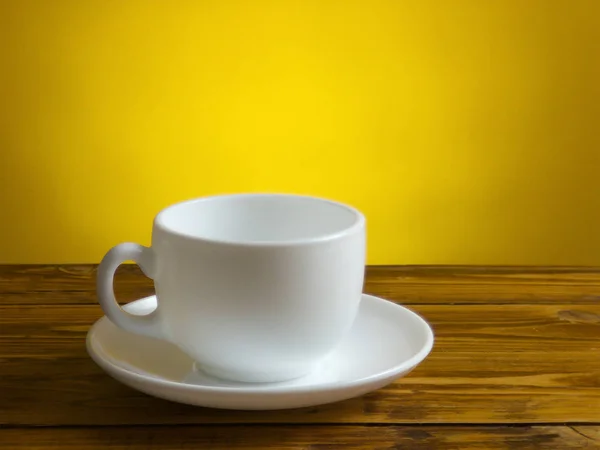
x=67 y=284
x=303 y=437
x=60 y=330
x=75 y=284
x=484 y=285
x=75 y=392
x=490 y=364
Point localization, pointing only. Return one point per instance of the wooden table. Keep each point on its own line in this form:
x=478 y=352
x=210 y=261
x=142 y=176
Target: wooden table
x=516 y=364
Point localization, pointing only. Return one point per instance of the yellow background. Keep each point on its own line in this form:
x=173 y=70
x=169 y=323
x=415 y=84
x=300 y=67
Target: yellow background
x=466 y=130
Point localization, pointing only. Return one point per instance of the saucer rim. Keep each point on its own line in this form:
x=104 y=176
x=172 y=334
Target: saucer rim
x=113 y=368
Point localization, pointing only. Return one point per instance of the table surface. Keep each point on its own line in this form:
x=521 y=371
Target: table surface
x=516 y=364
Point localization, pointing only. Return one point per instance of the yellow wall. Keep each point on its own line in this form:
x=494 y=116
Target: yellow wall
x=466 y=130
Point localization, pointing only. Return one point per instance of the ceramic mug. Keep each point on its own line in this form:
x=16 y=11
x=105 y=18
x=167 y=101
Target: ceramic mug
x=253 y=287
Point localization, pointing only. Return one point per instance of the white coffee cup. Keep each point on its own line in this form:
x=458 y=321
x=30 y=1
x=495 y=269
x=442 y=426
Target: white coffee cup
x=254 y=287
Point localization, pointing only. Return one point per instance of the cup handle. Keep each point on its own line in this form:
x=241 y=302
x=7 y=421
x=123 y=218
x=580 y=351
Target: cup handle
x=148 y=325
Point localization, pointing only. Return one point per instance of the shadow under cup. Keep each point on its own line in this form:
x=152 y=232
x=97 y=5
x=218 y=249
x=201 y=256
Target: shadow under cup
x=255 y=287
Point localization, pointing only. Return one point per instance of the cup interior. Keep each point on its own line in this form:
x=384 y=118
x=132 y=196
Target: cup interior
x=260 y=218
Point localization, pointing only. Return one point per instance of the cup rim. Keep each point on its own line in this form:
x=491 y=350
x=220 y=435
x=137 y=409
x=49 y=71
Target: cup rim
x=357 y=224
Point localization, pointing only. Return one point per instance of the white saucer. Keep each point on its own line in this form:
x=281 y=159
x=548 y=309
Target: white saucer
x=386 y=342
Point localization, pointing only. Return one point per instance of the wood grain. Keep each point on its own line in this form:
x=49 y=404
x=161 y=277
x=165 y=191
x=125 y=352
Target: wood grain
x=515 y=347
x=60 y=330
x=75 y=284
x=303 y=437
x=490 y=364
